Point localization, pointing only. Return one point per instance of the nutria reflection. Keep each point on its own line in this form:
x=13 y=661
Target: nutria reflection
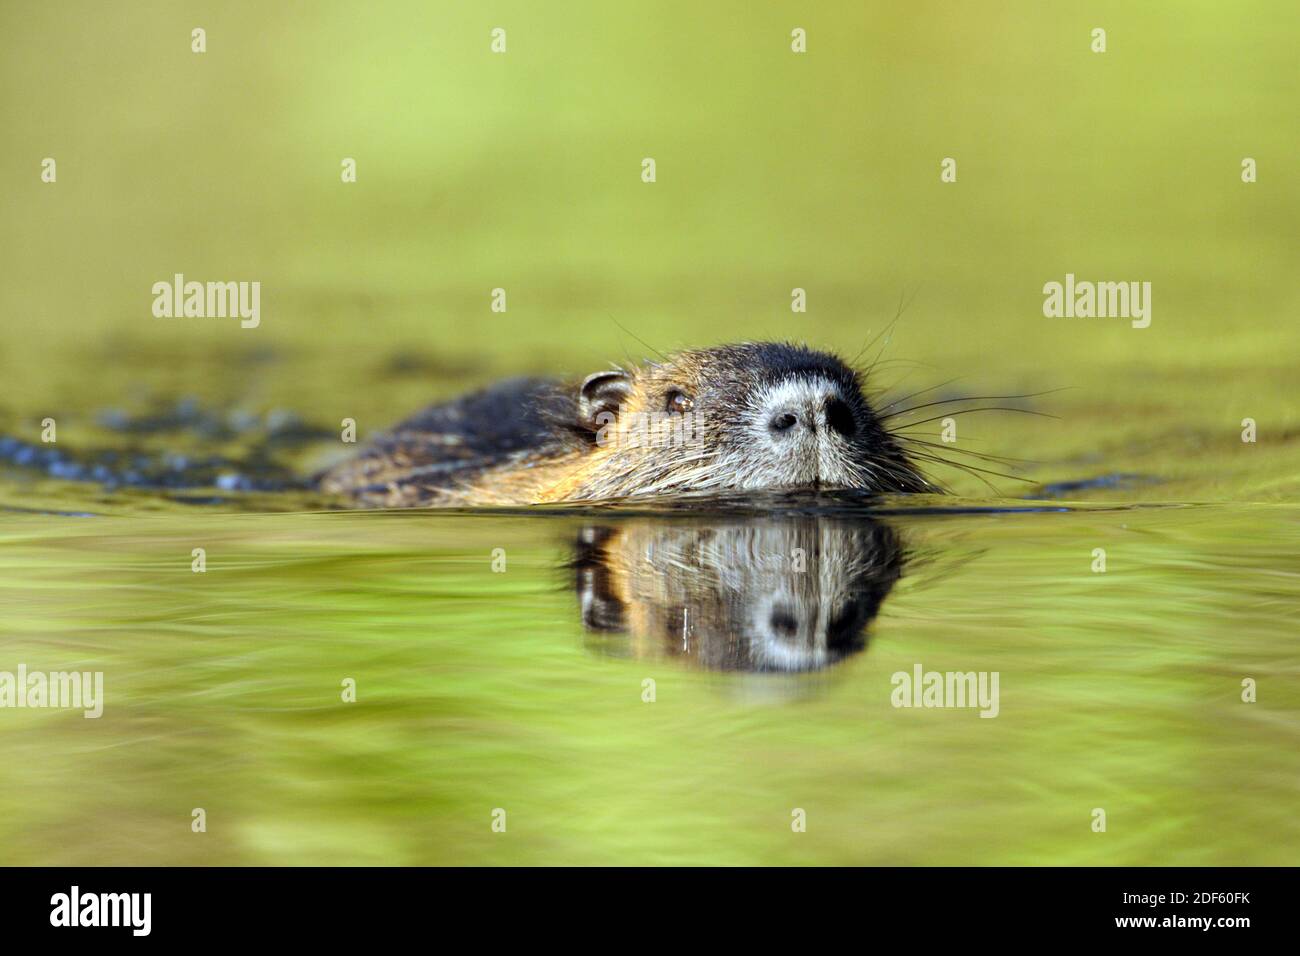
x=792 y=594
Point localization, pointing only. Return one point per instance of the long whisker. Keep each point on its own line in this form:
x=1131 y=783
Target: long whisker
x=961 y=467
x=902 y=307
x=1002 y=459
x=970 y=469
x=973 y=398
x=646 y=344
x=920 y=392
x=966 y=411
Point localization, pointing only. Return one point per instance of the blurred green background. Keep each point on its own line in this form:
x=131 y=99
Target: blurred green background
x=774 y=171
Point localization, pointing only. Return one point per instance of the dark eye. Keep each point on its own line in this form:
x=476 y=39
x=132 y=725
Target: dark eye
x=679 y=402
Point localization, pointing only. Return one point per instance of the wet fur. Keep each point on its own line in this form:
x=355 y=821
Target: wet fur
x=526 y=441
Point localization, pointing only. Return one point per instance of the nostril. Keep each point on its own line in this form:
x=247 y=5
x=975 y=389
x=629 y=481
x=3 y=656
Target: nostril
x=783 y=422
x=783 y=622
x=840 y=417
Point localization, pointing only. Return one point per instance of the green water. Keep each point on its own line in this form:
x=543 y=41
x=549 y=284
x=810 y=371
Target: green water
x=479 y=690
x=524 y=689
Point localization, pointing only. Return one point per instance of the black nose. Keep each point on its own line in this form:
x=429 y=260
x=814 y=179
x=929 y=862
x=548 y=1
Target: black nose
x=783 y=421
x=840 y=417
x=783 y=622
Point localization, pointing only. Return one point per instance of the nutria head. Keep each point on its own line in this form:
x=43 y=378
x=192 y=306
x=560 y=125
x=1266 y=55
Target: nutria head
x=736 y=418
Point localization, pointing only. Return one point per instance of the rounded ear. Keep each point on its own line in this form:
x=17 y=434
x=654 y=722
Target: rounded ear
x=603 y=393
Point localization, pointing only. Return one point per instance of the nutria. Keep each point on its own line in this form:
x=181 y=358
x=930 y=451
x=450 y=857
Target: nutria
x=795 y=593
x=754 y=416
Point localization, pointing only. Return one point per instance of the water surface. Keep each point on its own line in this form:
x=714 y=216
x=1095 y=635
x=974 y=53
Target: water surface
x=523 y=689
